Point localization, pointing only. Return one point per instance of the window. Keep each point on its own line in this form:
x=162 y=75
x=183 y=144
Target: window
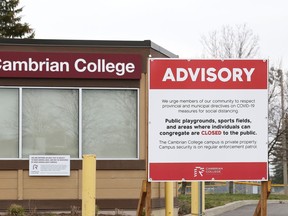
x=110 y=123
x=50 y=122
x=9 y=125
x=69 y=121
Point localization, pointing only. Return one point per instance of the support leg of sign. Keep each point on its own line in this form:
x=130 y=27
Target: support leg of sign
x=197 y=205
x=264 y=191
x=261 y=209
x=169 y=198
x=148 y=199
x=145 y=199
x=142 y=198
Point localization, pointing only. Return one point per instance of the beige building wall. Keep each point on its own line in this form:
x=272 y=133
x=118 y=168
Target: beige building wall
x=112 y=184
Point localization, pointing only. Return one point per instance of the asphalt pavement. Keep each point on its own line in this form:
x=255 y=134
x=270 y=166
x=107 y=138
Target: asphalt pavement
x=247 y=208
x=273 y=209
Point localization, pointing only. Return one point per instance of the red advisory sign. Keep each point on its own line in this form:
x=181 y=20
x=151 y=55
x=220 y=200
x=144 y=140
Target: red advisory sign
x=208 y=120
x=70 y=65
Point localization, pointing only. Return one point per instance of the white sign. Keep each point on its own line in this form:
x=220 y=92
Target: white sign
x=49 y=165
x=208 y=120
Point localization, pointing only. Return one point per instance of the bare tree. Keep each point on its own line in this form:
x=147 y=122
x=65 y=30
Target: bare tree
x=278 y=122
x=231 y=42
x=241 y=42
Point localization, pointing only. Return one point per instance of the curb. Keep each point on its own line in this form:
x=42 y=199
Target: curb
x=234 y=205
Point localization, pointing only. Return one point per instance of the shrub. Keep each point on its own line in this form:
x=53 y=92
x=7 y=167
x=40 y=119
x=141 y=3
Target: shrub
x=184 y=205
x=75 y=210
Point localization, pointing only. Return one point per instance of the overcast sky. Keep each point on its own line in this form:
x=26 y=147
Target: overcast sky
x=175 y=25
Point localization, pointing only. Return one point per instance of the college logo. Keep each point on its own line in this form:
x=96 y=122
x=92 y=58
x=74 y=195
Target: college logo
x=198 y=171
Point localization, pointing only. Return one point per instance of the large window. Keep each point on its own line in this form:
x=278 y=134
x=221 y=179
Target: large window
x=73 y=122
x=109 y=123
x=9 y=124
x=50 y=121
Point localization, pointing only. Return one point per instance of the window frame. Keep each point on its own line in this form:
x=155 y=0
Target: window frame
x=80 y=118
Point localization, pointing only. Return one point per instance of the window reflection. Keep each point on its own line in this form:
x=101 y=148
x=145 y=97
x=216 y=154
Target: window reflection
x=9 y=123
x=50 y=122
x=109 y=123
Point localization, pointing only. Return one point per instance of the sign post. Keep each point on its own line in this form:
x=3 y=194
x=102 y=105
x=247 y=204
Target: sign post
x=169 y=201
x=197 y=198
x=88 y=185
x=208 y=119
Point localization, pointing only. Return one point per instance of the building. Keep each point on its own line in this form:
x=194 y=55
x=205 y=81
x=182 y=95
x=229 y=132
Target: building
x=75 y=97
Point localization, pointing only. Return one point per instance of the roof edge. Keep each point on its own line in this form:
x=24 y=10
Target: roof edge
x=163 y=50
x=97 y=43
